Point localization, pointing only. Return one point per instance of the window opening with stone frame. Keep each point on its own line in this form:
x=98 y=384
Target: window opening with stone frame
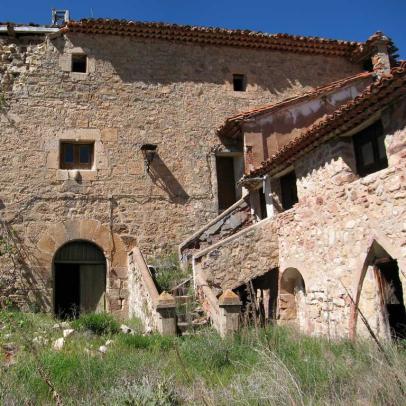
x=239 y=83
x=76 y=155
x=79 y=63
x=370 y=151
x=289 y=190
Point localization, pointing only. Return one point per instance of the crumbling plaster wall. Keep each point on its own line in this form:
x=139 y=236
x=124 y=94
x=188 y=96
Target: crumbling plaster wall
x=328 y=234
x=174 y=95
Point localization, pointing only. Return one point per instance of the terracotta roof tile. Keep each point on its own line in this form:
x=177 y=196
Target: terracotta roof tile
x=231 y=126
x=348 y=116
x=215 y=36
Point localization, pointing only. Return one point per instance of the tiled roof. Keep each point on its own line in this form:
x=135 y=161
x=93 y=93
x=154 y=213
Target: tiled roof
x=231 y=127
x=348 y=116
x=215 y=36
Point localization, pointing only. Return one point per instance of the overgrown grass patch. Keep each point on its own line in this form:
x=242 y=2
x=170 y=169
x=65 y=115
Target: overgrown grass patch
x=97 y=323
x=272 y=366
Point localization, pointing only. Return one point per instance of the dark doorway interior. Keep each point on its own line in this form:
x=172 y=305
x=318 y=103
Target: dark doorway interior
x=259 y=298
x=225 y=181
x=67 y=287
x=391 y=292
x=79 y=279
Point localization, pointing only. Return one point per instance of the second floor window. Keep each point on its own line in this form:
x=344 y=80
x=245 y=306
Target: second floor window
x=289 y=190
x=79 y=63
x=75 y=155
x=370 y=151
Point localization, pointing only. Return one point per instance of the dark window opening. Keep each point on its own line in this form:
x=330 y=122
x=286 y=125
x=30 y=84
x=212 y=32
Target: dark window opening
x=370 y=151
x=239 y=83
x=79 y=63
x=76 y=155
x=391 y=292
x=225 y=182
x=289 y=190
x=368 y=65
x=262 y=204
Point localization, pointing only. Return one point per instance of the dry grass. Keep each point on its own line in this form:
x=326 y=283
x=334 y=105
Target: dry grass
x=274 y=366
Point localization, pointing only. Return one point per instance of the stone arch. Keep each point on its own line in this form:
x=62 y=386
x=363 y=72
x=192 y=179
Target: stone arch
x=79 y=279
x=378 y=248
x=110 y=243
x=291 y=296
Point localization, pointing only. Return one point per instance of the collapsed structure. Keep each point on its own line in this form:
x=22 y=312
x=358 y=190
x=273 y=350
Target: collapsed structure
x=116 y=147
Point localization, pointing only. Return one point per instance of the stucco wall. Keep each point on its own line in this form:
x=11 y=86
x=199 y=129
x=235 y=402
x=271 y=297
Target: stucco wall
x=174 y=95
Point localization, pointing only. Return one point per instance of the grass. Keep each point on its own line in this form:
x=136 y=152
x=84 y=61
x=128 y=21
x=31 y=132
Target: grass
x=169 y=273
x=272 y=366
x=97 y=323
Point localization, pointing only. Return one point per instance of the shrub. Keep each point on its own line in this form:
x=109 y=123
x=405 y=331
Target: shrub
x=168 y=272
x=98 y=323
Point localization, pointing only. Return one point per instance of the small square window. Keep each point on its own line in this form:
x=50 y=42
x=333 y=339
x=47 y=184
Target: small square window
x=75 y=155
x=239 y=83
x=79 y=63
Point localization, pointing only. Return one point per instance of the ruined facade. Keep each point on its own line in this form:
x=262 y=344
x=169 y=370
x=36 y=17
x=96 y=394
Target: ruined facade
x=110 y=137
x=331 y=243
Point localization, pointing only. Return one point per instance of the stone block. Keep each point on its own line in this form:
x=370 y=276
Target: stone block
x=109 y=134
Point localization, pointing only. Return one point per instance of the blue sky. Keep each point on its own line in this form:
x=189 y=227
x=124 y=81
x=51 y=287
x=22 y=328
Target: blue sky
x=341 y=19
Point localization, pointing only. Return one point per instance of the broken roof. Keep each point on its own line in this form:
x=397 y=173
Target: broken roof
x=216 y=36
x=231 y=127
x=350 y=115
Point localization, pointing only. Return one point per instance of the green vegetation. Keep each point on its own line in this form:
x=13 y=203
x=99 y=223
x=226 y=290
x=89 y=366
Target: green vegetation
x=97 y=323
x=272 y=366
x=168 y=272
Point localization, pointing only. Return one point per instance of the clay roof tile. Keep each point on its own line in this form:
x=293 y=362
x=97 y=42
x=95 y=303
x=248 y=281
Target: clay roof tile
x=372 y=99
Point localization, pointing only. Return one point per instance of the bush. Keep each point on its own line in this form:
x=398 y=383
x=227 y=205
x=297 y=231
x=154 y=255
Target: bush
x=168 y=272
x=98 y=323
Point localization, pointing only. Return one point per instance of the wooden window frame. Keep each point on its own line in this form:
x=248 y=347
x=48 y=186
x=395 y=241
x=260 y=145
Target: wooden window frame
x=76 y=164
x=364 y=137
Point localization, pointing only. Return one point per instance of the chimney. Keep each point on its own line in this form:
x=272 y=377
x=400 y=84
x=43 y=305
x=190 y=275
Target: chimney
x=60 y=17
x=379 y=45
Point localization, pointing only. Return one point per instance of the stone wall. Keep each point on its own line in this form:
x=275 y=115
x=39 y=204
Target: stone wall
x=174 y=95
x=328 y=236
x=238 y=259
x=228 y=223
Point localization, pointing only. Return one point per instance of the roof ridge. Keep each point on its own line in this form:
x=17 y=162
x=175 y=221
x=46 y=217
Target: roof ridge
x=154 y=24
x=215 y=36
x=315 y=132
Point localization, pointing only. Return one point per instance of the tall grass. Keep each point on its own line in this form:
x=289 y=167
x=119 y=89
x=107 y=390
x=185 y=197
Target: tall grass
x=272 y=366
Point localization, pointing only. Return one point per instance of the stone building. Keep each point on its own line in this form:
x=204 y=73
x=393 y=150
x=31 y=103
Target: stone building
x=323 y=245
x=110 y=154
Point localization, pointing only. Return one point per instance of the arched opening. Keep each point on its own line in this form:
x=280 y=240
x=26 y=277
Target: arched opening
x=381 y=299
x=291 y=297
x=79 y=279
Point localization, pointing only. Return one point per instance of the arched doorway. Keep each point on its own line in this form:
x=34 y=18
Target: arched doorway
x=79 y=279
x=291 y=297
x=381 y=297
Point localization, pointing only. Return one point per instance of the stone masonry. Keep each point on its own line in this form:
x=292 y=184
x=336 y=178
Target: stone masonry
x=135 y=91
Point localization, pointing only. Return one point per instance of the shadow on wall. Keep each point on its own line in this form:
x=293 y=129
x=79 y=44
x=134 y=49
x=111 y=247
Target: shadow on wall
x=170 y=62
x=162 y=177
x=26 y=286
